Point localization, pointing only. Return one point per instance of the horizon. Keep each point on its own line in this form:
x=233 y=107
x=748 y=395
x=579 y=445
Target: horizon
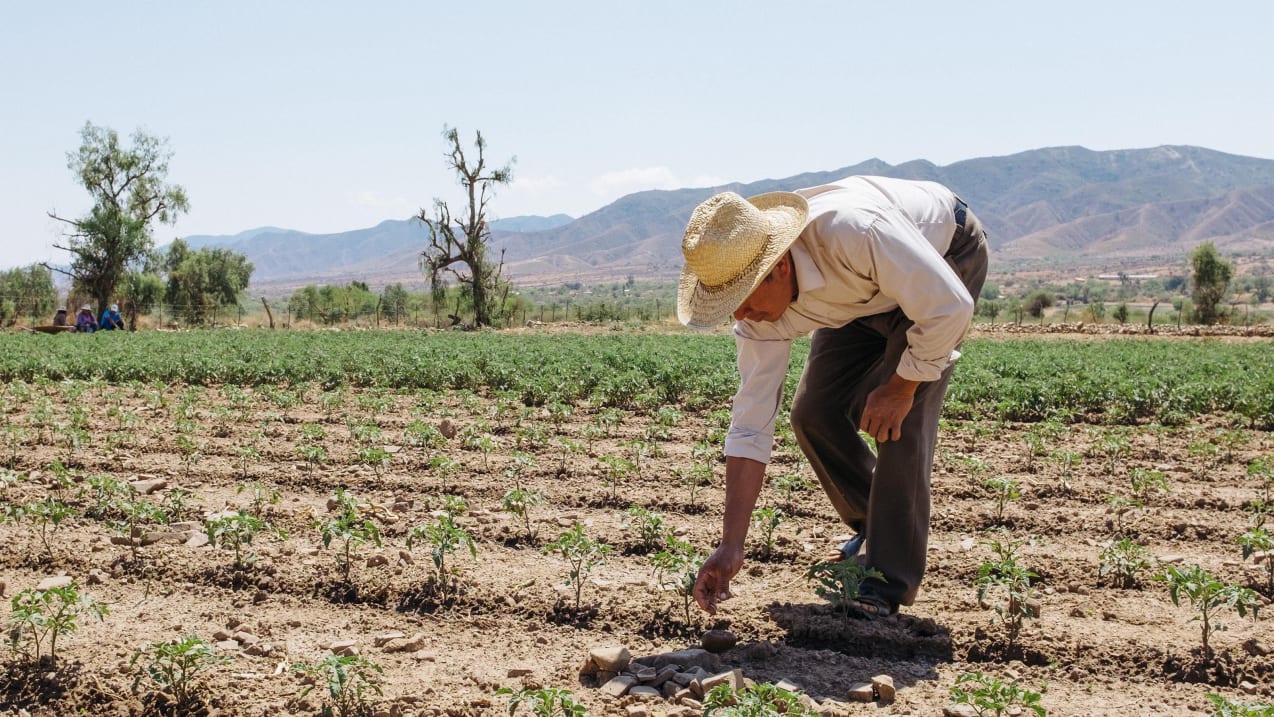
x=321 y=118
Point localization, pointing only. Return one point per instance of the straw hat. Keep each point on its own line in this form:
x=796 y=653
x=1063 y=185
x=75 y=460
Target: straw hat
x=731 y=243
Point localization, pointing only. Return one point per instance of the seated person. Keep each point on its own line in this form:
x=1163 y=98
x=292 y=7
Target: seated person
x=59 y=319
x=111 y=319
x=85 y=322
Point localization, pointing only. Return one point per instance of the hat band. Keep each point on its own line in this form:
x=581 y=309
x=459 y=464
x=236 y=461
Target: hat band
x=710 y=289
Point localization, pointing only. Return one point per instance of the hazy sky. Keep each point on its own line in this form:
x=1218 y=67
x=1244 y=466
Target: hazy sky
x=327 y=116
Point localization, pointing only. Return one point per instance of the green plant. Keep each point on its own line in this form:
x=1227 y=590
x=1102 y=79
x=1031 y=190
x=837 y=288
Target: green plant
x=445 y=537
x=617 y=470
x=760 y=700
x=767 y=519
x=107 y=491
x=519 y=502
x=262 y=495
x=1260 y=540
x=247 y=454
x=841 y=582
x=1004 y=490
x=137 y=513
x=1229 y=708
x=677 y=569
x=543 y=702
x=444 y=467
x=1147 y=482
x=375 y=456
x=174 y=668
x=788 y=485
x=235 y=532
x=652 y=532
x=1124 y=561
x=1009 y=579
x=349 y=679
x=1067 y=461
x=313 y=454
x=48 y=614
x=582 y=553
x=1208 y=596
x=1119 y=507
x=988 y=695
x=349 y=528
x=47 y=515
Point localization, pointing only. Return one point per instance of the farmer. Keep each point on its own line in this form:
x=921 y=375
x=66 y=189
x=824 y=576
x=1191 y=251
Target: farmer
x=111 y=319
x=84 y=322
x=884 y=273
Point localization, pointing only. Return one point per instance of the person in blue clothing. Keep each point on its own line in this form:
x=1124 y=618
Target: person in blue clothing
x=84 y=322
x=111 y=319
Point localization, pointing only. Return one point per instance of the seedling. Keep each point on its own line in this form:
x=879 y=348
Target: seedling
x=1004 y=491
x=349 y=528
x=419 y=434
x=788 y=485
x=261 y=494
x=350 y=679
x=677 y=568
x=1009 y=579
x=375 y=456
x=841 y=582
x=107 y=491
x=616 y=470
x=174 y=668
x=1119 y=508
x=1124 y=561
x=543 y=702
x=1260 y=540
x=444 y=467
x=988 y=695
x=760 y=700
x=652 y=532
x=42 y=616
x=1145 y=483
x=582 y=553
x=313 y=454
x=47 y=515
x=137 y=513
x=1229 y=708
x=444 y=537
x=1067 y=462
x=767 y=519
x=235 y=532
x=1209 y=597
x=519 y=502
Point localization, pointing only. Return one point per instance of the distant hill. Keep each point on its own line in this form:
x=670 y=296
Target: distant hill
x=1044 y=203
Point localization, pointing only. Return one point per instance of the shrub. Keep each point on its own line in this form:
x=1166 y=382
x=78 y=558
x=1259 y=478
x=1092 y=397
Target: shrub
x=544 y=702
x=1124 y=561
x=445 y=537
x=760 y=700
x=349 y=528
x=841 y=582
x=677 y=568
x=1011 y=580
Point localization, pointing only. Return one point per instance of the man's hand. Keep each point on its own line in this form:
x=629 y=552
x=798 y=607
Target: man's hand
x=886 y=408
x=713 y=584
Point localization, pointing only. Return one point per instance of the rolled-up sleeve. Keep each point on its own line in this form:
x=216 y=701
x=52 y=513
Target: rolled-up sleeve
x=913 y=273
x=762 y=371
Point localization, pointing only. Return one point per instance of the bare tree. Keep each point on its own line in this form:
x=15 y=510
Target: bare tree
x=128 y=190
x=459 y=247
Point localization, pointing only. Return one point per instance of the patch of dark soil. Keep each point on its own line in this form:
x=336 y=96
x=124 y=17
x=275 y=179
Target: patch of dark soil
x=339 y=592
x=67 y=689
x=900 y=637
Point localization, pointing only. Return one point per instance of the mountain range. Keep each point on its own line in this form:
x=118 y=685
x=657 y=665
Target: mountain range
x=1067 y=203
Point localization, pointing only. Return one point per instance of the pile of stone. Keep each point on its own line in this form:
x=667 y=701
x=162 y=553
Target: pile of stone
x=674 y=684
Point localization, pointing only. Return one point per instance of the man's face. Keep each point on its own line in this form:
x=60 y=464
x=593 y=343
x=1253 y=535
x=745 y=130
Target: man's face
x=772 y=296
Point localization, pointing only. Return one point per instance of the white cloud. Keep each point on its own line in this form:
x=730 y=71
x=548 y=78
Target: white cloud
x=375 y=200
x=627 y=181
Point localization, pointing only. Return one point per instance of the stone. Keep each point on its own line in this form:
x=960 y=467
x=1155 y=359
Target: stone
x=404 y=556
x=643 y=674
x=787 y=686
x=377 y=561
x=344 y=648
x=733 y=678
x=222 y=635
x=612 y=659
x=260 y=649
x=832 y=708
x=1171 y=559
x=693 y=657
x=227 y=645
x=959 y=711
x=718 y=641
x=618 y=686
x=682 y=712
x=146 y=487
x=967 y=544
x=95 y=577
x=861 y=692
x=197 y=540
x=1249 y=688
x=884 y=685
x=671 y=689
x=3 y=586
x=246 y=638
x=447 y=428
x=386 y=637
x=644 y=691
x=520 y=671
x=692 y=703
x=1253 y=646
x=415 y=644
x=667 y=672
x=53 y=583
x=638 y=711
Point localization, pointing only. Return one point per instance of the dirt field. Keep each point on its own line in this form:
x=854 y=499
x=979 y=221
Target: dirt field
x=1095 y=649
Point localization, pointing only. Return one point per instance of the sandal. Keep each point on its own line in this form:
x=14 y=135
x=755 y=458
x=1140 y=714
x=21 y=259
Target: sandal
x=850 y=548
x=869 y=606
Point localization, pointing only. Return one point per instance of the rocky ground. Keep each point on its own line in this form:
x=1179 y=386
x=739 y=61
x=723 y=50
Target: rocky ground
x=1092 y=647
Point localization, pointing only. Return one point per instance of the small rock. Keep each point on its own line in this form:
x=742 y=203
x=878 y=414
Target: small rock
x=694 y=657
x=788 y=686
x=260 y=649
x=832 y=708
x=638 y=711
x=3 y=586
x=643 y=674
x=718 y=641
x=1171 y=559
x=95 y=577
x=404 y=556
x=884 y=685
x=862 y=692
x=663 y=675
x=377 y=561
x=53 y=583
x=197 y=540
x=1253 y=646
x=613 y=659
x=959 y=711
x=644 y=691
x=415 y=644
x=246 y=638
x=447 y=428
x=383 y=638
x=146 y=487
x=1248 y=687
x=967 y=544
x=618 y=686
x=344 y=648
x=222 y=635
x=227 y=645
x=520 y=671
x=733 y=678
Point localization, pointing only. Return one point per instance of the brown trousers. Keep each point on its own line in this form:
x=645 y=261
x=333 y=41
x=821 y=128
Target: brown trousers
x=884 y=496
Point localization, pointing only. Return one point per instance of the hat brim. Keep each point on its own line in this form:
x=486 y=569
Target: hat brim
x=702 y=307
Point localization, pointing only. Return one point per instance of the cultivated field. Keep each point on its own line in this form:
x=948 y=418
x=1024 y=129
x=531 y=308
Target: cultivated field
x=363 y=467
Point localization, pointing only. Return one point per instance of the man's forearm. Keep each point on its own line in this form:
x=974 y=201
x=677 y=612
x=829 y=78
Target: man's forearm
x=743 y=480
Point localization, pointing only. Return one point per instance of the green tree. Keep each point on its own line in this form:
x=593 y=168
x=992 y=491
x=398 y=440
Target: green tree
x=202 y=281
x=27 y=290
x=466 y=241
x=1210 y=281
x=1037 y=302
x=129 y=193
